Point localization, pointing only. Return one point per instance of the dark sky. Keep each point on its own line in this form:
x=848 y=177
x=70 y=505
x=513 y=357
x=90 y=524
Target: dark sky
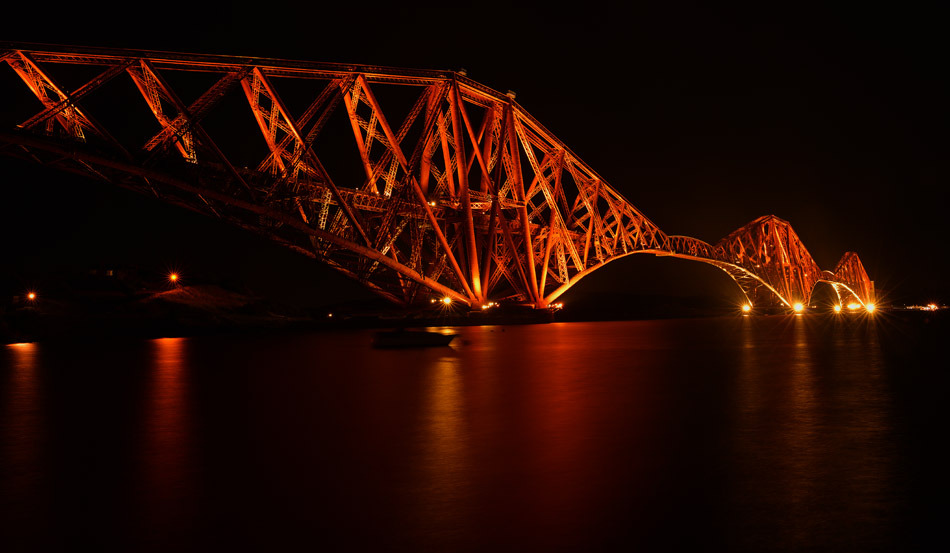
x=704 y=116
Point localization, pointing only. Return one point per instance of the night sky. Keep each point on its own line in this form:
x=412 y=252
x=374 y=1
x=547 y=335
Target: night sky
x=704 y=116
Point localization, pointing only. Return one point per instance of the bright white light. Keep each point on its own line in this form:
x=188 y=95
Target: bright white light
x=746 y=308
x=31 y=296
x=798 y=307
x=869 y=307
x=853 y=305
x=447 y=300
x=837 y=309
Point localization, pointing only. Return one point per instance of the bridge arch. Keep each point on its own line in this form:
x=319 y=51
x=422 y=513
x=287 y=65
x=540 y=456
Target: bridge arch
x=845 y=294
x=747 y=282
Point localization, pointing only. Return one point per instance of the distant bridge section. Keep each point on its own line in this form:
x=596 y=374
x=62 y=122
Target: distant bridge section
x=419 y=184
x=771 y=265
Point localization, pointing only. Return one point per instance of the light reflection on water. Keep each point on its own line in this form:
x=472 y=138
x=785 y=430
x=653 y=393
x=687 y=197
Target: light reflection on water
x=22 y=435
x=749 y=433
x=445 y=462
x=165 y=451
x=810 y=440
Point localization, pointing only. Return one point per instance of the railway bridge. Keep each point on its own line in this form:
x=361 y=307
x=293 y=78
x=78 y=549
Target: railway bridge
x=419 y=184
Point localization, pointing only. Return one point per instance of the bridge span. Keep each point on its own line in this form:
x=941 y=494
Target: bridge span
x=419 y=184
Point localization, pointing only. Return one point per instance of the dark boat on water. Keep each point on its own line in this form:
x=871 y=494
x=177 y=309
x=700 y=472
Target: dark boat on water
x=402 y=338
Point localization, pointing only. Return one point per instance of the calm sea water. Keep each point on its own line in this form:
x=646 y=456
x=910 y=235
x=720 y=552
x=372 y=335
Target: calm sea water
x=744 y=434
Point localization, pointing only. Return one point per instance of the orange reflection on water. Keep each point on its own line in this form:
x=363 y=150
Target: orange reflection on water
x=166 y=428
x=446 y=457
x=22 y=428
x=515 y=428
x=562 y=410
x=809 y=398
x=802 y=420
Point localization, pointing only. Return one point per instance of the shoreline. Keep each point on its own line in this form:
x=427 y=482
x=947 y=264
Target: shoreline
x=111 y=329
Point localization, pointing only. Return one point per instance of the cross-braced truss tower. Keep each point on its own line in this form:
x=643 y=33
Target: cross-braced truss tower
x=451 y=190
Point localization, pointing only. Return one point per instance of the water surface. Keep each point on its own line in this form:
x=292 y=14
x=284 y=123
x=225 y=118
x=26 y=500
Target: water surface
x=748 y=434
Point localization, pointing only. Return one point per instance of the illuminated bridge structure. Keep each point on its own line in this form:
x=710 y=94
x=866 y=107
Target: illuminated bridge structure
x=422 y=185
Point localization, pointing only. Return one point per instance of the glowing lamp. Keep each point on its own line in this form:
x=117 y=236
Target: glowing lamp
x=869 y=307
x=31 y=296
x=447 y=300
x=746 y=308
x=837 y=309
x=798 y=307
x=852 y=306
x=173 y=277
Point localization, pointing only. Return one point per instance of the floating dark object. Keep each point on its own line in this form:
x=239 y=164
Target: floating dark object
x=402 y=338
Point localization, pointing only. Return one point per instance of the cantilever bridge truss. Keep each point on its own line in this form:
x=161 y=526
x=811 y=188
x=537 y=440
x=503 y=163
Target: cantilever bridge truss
x=418 y=184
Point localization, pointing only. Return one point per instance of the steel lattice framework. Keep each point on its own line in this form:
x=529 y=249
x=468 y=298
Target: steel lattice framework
x=460 y=193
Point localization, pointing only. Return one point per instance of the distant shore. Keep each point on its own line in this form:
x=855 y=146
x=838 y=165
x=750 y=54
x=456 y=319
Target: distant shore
x=29 y=326
x=106 y=306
